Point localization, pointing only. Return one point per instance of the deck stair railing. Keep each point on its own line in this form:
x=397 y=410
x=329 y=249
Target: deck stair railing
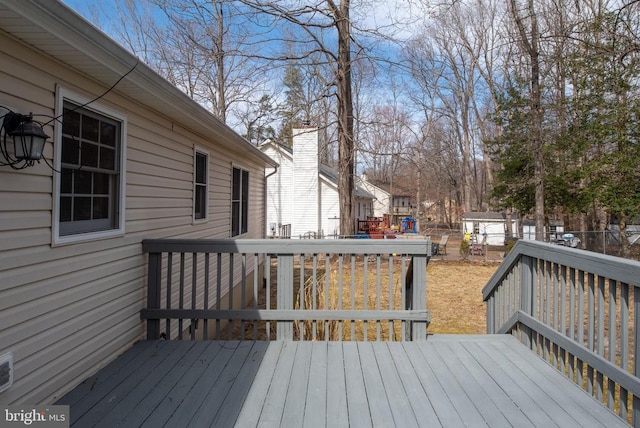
x=579 y=311
x=346 y=289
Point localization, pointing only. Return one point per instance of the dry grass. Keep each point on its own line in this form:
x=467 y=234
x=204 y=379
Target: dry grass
x=454 y=296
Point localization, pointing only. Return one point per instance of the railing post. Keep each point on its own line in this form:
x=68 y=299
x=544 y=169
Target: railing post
x=153 y=293
x=526 y=294
x=285 y=294
x=418 y=294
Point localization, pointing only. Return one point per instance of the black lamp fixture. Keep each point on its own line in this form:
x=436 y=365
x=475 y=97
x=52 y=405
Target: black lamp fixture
x=28 y=140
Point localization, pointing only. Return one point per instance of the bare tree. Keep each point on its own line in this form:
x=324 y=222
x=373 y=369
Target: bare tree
x=527 y=26
x=198 y=45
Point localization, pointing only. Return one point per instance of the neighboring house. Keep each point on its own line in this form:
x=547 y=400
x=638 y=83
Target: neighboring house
x=382 y=204
x=554 y=231
x=303 y=192
x=140 y=160
x=491 y=225
x=388 y=202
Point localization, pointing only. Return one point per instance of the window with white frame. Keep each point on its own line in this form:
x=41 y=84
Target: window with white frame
x=201 y=185
x=90 y=186
x=239 y=202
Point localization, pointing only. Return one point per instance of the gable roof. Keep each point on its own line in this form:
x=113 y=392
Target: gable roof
x=487 y=216
x=59 y=32
x=331 y=175
x=394 y=191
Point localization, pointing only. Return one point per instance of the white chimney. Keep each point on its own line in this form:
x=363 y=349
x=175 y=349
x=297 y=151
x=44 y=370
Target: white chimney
x=306 y=193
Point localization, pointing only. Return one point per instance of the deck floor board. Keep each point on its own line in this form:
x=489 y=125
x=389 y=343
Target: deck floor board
x=446 y=381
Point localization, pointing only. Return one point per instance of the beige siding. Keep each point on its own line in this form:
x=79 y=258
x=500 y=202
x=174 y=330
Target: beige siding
x=67 y=310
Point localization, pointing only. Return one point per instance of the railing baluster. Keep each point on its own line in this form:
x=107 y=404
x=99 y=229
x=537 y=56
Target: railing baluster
x=590 y=327
x=256 y=270
x=390 y=290
x=169 y=291
x=581 y=291
x=218 y=290
x=613 y=306
x=340 y=276
x=230 y=294
x=267 y=275
x=572 y=317
x=547 y=316
x=243 y=292
x=624 y=345
x=314 y=290
x=366 y=293
x=327 y=291
x=563 y=312
x=181 y=295
x=194 y=291
x=378 y=293
x=600 y=337
x=352 y=283
x=556 y=310
x=205 y=322
x=636 y=352
x=403 y=293
x=301 y=292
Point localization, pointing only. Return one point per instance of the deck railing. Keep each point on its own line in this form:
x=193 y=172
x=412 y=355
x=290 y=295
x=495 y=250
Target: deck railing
x=346 y=289
x=578 y=310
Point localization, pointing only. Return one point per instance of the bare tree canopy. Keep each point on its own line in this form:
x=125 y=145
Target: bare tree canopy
x=526 y=105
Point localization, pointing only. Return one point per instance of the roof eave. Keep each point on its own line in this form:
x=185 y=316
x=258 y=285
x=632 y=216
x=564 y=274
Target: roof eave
x=67 y=26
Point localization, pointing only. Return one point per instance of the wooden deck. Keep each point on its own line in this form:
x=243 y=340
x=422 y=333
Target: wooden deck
x=450 y=381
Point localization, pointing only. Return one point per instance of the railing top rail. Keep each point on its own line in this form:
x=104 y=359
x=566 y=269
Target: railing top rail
x=289 y=246
x=616 y=268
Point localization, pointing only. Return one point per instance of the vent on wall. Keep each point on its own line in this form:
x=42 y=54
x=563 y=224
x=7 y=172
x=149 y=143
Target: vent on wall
x=6 y=371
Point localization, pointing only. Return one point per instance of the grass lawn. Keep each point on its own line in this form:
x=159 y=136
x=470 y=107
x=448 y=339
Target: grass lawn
x=454 y=296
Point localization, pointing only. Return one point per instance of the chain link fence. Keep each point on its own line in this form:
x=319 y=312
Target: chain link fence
x=608 y=242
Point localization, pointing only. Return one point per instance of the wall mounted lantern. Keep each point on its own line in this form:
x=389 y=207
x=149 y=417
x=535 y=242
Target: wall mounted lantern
x=28 y=140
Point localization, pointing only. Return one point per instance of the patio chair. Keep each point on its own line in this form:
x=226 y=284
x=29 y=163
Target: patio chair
x=442 y=245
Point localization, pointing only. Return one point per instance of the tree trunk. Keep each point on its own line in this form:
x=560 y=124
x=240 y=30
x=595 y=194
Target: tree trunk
x=345 y=121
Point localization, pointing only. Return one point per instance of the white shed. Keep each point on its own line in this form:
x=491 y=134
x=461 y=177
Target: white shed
x=491 y=225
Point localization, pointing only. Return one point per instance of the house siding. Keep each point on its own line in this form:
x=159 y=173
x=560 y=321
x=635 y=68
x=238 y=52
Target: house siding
x=329 y=209
x=280 y=201
x=68 y=310
x=382 y=201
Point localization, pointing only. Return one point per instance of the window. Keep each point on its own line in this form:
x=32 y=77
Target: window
x=239 y=202
x=90 y=186
x=201 y=185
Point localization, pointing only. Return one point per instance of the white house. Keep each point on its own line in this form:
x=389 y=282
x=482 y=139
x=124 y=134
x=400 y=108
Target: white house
x=382 y=204
x=303 y=193
x=131 y=157
x=491 y=225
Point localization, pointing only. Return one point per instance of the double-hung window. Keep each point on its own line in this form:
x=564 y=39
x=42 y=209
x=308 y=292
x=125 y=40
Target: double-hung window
x=239 y=202
x=90 y=185
x=201 y=185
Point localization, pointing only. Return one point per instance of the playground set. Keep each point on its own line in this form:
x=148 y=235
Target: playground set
x=381 y=227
